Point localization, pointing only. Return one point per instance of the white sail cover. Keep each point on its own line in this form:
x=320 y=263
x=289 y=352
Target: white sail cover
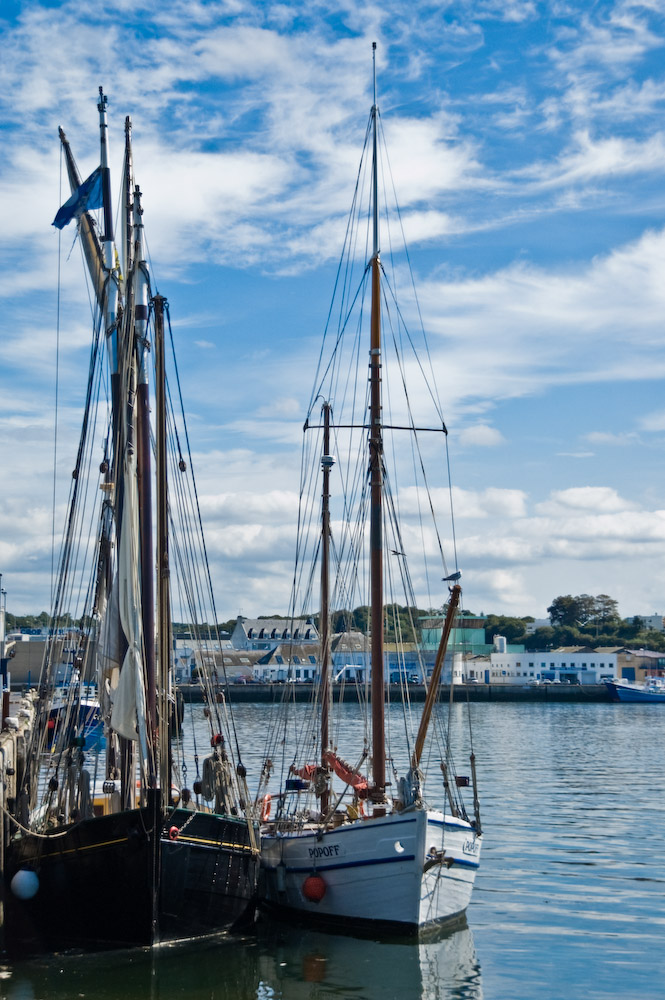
x=128 y=717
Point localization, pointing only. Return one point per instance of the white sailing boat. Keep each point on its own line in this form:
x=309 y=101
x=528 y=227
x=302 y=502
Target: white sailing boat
x=356 y=843
x=124 y=849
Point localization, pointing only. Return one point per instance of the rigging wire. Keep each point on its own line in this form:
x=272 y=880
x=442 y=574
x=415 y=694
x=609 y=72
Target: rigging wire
x=57 y=383
x=197 y=508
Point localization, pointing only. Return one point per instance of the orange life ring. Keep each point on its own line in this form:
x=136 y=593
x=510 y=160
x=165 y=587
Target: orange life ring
x=265 y=808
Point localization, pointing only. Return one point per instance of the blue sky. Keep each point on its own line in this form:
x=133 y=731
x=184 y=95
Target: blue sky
x=528 y=151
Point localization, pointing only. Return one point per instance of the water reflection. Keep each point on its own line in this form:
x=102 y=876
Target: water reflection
x=277 y=962
x=299 y=964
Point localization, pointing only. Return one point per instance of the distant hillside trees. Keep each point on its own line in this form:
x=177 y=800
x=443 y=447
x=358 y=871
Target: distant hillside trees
x=512 y=628
x=584 y=611
x=575 y=621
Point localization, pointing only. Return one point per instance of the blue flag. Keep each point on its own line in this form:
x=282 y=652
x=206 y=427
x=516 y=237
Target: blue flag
x=87 y=195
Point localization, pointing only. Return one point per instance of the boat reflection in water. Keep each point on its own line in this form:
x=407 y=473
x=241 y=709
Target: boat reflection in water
x=286 y=962
x=298 y=964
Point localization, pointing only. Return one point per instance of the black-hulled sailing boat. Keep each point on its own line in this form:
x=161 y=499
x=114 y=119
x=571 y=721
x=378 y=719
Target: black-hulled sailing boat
x=348 y=840
x=118 y=850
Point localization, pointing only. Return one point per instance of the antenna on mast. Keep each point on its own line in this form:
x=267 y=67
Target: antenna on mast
x=375 y=180
x=374 y=70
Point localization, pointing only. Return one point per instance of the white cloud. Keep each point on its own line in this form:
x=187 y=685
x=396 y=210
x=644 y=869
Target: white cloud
x=591 y=159
x=480 y=436
x=607 y=438
x=653 y=421
x=600 y=499
x=535 y=274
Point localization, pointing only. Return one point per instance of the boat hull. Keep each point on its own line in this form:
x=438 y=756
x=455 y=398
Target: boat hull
x=123 y=880
x=636 y=693
x=407 y=870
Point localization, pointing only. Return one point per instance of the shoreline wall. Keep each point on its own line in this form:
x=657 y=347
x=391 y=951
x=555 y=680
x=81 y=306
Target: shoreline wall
x=266 y=693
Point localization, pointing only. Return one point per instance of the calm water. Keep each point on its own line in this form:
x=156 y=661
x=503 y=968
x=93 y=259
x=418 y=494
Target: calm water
x=569 y=901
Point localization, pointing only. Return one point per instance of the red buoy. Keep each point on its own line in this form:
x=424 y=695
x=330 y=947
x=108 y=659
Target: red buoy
x=314 y=888
x=173 y=833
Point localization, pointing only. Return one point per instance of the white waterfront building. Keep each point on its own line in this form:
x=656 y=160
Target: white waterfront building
x=567 y=665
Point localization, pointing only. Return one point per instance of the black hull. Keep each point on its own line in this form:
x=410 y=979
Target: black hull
x=123 y=881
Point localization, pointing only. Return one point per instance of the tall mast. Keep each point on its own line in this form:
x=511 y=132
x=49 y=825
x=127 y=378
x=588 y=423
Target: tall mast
x=327 y=462
x=163 y=570
x=120 y=417
x=127 y=240
x=376 y=485
x=108 y=253
x=140 y=297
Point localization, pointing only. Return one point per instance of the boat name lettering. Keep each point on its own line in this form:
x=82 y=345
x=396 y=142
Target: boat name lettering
x=470 y=847
x=326 y=851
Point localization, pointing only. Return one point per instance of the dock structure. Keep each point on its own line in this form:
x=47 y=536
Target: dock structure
x=303 y=692
x=18 y=714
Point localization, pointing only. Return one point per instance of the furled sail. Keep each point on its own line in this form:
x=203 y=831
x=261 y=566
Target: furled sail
x=128 y=717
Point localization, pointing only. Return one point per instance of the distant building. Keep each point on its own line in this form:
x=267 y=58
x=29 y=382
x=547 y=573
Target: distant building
x=638 y=664
x=297 y=662
x=566 y=665
x=266 y=633
x=466 y=636
x=654 y=622
x=537 y=623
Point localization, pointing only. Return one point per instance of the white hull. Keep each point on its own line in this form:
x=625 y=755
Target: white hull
x=412 y=868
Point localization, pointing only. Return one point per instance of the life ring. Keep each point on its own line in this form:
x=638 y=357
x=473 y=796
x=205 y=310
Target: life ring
x=265 y=808
x=173 y=833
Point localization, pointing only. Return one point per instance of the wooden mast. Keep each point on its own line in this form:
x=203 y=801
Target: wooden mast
x=327 y=462
x=141 y=285
x=163 y=570
x=433 y=687
x=376 y=488
x=120 y=418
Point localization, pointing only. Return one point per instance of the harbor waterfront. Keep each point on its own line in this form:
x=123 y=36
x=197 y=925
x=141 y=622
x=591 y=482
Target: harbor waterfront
x=305 y=692
x=568 y=902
